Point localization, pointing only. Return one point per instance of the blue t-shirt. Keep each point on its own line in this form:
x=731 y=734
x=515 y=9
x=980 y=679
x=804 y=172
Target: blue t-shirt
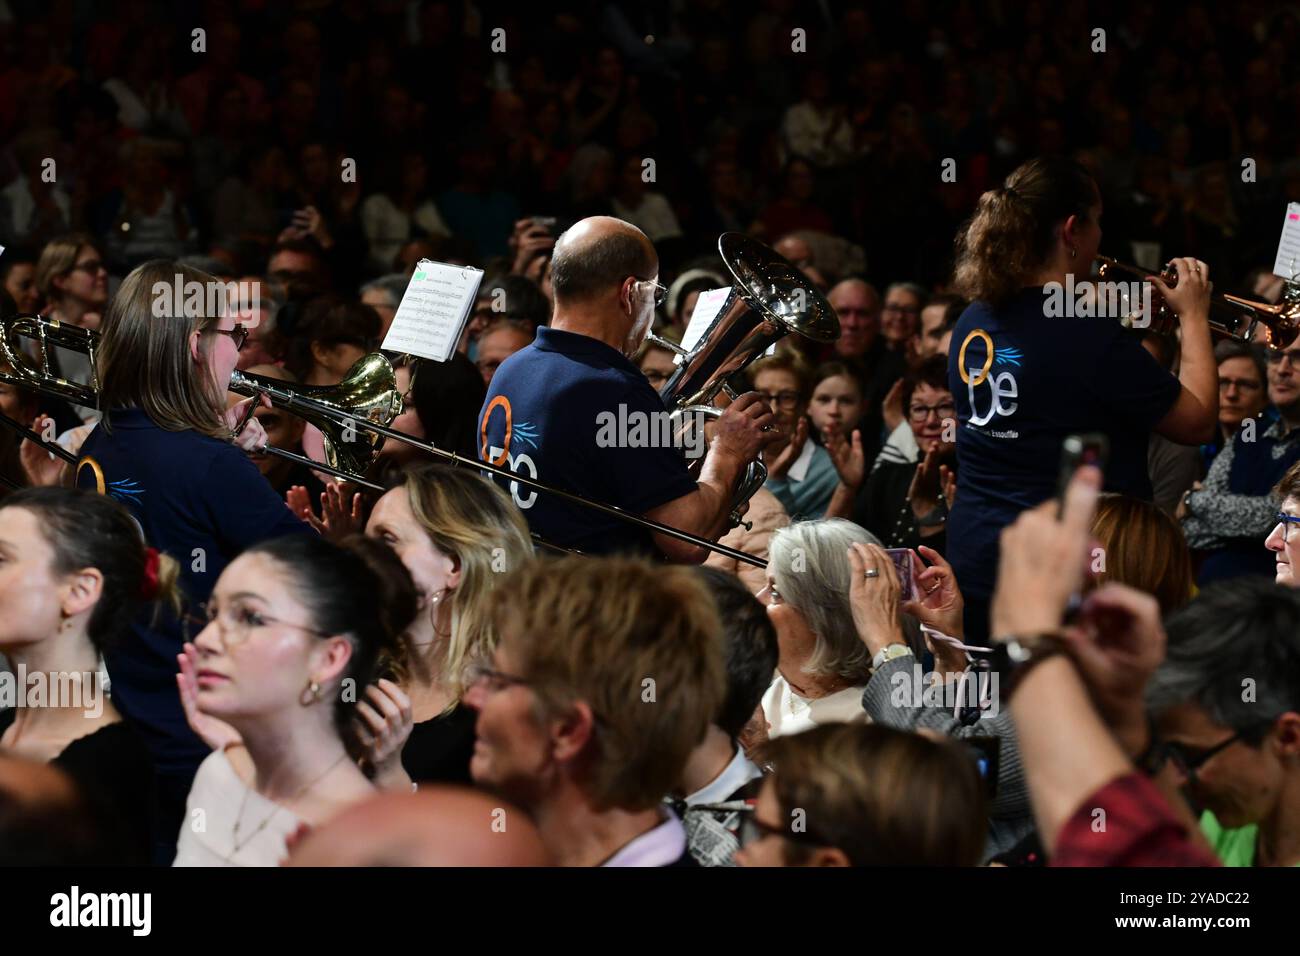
x=1022 y=382
x=550 y=414
x=200 y=501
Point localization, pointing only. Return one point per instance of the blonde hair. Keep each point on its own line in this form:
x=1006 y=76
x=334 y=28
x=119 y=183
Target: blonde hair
x=144 y=358
x=471 y=520
x=57 y=259
x=1144 y=548
x=639 y=643
x=1012 y=233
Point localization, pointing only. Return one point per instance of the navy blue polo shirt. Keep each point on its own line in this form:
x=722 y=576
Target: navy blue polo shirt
x=1022 y=382
x=200 y=501
x=543 y=418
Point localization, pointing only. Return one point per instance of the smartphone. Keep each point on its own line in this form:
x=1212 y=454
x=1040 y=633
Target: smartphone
x=987 y=753
x=1078 y=450
x=546 y=222
x=902 y=558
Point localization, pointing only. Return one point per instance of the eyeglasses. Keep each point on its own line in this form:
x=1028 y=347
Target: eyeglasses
x=752 y=830
x=495 y=680
x=1240 y=384
x=920 y=413
x=1286 y=521
x=1191 y=759
x=94 y=267
x=236 y=622
x=239 y=334
x=784 y=400
x=660 y=291
x=1276 y=357
x=904 y=309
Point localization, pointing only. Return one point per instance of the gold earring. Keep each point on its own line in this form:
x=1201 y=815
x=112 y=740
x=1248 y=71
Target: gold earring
x=311 y=694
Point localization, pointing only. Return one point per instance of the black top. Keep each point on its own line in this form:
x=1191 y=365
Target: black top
x=883 y=509
x=114 y=773
x=439 y=750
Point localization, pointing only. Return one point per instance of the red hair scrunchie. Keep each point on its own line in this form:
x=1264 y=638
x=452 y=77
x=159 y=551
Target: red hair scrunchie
x=149 y=582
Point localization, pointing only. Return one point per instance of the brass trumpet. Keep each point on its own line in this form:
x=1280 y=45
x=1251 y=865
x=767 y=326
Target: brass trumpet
x=1238 y=318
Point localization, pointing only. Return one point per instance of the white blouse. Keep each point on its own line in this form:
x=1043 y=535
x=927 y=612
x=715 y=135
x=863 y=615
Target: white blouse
x=788 y=713
x=207 y=834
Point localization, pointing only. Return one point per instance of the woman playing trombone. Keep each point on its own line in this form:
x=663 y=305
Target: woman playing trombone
x=166 y=449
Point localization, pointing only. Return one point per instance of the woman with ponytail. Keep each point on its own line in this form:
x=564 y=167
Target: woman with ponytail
x=74 y=572
x=167 y=448
x=295 y=629
x=1026 y=370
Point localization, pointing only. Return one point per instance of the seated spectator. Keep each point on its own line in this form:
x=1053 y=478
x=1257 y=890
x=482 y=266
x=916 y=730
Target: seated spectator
x=823 y=666
x=289 y=622
x=265 y=343
x=685 y=291
x=18 y=277
x=1243 y=392
x=441 y=406
x=938 y=319
x=633 y=201
x=457 y=534
x=866 y=796
x=149 y=221
x=605 y=680
x=801 y=474
x=390 y=217
x=508 y=297
x=1236 y=754
x=795 y=207
x=906 y=502
x=1141 y=546
x=73 y=283
x=836 y=404
x=718 y=775
x=439 y=826
x=384 y=295
x=76 y=573
x=283 y=430
x=328 y=338
x=862 y=348
x=1226 y=518
x=656 y=362
x=34 y=207
x=299 y=267
x=1284 y=539
x=500 y=340
x=901 y=314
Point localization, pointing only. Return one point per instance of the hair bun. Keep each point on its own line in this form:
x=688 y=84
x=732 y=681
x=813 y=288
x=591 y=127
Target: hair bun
x=396 y=603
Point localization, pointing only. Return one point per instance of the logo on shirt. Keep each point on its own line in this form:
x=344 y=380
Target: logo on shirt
x=525 y=432
x=977 y=371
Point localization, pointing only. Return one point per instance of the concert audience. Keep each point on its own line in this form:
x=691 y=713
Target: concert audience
x=602 y=685
x=719 y=780
x=290 y=625
x=800 y=473
x=75 y=572
x=458 y=535
x=823 y=666
x=1225 y=518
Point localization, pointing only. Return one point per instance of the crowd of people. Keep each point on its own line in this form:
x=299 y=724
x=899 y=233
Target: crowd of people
x=935 y=646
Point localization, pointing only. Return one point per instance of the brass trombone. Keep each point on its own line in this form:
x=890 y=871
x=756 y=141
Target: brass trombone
x=1238 y=318
x=354 y=417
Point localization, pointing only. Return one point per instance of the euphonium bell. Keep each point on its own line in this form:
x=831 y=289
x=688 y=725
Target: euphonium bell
x=368 y=389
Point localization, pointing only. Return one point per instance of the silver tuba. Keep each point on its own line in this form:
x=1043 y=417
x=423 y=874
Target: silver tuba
x=769 y=300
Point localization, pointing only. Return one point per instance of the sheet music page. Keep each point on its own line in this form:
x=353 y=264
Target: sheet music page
x=1287 y=264
x=707 y=306
x=433 y=311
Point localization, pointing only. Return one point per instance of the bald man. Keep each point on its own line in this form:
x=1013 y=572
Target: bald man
x=439 y=826
x=571 y=410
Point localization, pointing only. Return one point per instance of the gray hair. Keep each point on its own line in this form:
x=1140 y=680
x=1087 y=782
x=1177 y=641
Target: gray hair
x=810 y=564
x=1246 y=629
x=393 y=285
x=922 y=294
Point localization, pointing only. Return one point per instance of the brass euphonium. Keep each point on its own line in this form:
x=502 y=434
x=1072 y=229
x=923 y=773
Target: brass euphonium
x=769 y=299
x=369 y=389
x=1236 y=318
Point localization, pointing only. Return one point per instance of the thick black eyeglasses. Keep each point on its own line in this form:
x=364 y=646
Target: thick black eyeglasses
x=239 y=334
x=1191 y=759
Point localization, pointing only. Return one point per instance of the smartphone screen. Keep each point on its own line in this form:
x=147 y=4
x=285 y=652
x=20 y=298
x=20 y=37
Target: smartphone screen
x=902 y=558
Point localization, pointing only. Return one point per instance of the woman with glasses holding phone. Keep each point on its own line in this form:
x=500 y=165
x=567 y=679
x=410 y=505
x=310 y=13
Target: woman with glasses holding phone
x=166 y=449
x=292 y=630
